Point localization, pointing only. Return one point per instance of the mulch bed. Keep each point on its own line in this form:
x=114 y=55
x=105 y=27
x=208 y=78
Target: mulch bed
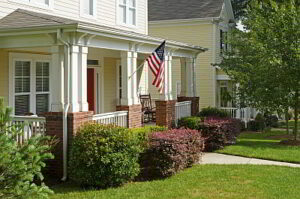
x=290 y=142
x=281 y=137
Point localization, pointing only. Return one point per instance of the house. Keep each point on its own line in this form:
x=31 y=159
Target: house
x=197 y=22
x=71 y=61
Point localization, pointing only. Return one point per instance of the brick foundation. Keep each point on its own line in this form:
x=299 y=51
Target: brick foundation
x=134 y=115
x=54 y=127
x=195 y=103
x=165 y=113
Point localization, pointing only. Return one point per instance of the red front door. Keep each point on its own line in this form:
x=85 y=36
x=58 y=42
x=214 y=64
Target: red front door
x=90 y=89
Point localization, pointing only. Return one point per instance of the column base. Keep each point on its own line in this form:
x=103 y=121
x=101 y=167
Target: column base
x=134 y=115
x=195 y=103
x=165 y=113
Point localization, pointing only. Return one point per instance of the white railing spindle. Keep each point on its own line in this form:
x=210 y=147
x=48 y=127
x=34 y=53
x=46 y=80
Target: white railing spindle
x=117 y=118
x=182 y=109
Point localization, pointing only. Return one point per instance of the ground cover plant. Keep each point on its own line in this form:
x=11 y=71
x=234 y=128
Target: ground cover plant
x=202 y=181
x=264 y=145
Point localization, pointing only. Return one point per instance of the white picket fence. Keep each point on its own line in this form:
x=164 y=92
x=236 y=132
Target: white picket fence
x=31 y=126
x=119 y=118
x=182 y=109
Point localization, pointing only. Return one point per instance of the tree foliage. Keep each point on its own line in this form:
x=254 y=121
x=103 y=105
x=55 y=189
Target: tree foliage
x=265 y=59
x=20 y=165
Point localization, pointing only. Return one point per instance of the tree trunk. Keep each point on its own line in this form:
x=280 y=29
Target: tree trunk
x=296 y=114
x=287 y=121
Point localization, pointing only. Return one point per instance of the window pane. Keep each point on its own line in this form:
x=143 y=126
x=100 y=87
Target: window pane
x=26 y=85
x=122 y=14
x=21 y=104
x=132 y=3
x=19 y=68
x=18 y=85
x=44 y=2
x=132 y=16
x=42 y=103
x=91 y=10
x=39 y=69
x=88 y=7
x=46 y=84
x=39 y=84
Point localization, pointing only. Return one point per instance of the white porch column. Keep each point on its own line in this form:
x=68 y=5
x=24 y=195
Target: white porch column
x=188 y=77
x=167 y=90
x=129 y=87
x=74 y=79
x=57 y=79
x=135 y=99
x=82 y=78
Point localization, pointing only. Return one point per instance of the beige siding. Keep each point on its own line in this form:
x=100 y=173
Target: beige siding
x=106 y=12
x=4 y=77
x=201 y=35
x=110 y=95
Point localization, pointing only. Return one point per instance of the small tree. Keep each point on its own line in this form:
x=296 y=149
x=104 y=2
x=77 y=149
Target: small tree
x=20 y=165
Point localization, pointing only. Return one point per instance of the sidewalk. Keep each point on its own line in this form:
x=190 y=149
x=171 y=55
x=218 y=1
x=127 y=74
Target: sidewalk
x=216 y=158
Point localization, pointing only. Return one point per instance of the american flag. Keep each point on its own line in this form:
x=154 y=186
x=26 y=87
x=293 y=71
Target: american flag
x=156 y=62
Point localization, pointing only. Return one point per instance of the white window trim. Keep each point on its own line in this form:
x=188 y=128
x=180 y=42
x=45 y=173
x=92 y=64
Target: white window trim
x=82 y=14
x=32 y=58
x=34 y=3
x=119 y=21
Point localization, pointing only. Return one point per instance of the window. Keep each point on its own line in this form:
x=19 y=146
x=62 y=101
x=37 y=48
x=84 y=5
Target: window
x=22 y=87
x=119 y=82
x=88 y=8
x=38 y=3
x=223 y=42
x=127 y=12
x=42 y=87
x=31 y=87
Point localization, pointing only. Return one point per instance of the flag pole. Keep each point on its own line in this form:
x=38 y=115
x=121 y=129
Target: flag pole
x=140 y=66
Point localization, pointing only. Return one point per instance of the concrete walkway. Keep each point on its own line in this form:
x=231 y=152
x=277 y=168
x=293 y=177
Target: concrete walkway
x=216 y=158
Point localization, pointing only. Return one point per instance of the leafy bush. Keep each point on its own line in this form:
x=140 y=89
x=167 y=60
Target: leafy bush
x=171 y=151
x=20 y=165
x=213 y=112
x=143 y=133
x=104 y=156
x=217 y=132
x=272 y=121
x=258 y=124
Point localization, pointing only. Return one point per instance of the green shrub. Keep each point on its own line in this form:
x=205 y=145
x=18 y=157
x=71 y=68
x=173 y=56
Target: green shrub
x=171 y=151
x=190 y=122
x=272 y=121
x=258 y=124
x=104 y=156
x=21 y=165
x=143 y=133
x=213 y=112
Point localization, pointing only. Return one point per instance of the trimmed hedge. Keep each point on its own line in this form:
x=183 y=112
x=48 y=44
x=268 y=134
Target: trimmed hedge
x=104 y=156
x=213 y=112
x=171 y=151
x=217 y=132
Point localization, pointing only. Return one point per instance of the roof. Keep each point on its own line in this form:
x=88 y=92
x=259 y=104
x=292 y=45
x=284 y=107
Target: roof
x=27 y=20
x=182 y=9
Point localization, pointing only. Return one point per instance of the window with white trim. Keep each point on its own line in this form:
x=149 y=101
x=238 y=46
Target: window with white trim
x=31 y=87
x=88 y=7
x=38 y=3
x=127 y=12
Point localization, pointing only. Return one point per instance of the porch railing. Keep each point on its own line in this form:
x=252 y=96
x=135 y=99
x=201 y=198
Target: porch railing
x=231 y=111
x=182 y=109
x=31 y=126
x=244 y=113
x=119 y=118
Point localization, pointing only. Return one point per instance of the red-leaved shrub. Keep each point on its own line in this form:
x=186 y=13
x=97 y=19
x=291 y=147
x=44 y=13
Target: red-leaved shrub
x=217 y=132
x=171 y=151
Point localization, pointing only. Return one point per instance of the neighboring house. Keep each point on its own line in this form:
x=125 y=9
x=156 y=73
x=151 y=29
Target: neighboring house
x=67 y=60
x=197 y=22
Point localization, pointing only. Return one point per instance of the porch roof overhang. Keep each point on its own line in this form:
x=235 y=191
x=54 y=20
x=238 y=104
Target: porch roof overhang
x=17 y=30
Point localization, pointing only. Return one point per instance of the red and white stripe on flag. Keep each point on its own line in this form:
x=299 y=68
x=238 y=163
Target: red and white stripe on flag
x=156 y=63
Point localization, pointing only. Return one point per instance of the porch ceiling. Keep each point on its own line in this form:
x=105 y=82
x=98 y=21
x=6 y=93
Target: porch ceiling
x=23 y=22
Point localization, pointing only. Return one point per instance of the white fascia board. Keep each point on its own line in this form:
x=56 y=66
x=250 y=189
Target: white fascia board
x=223 y=77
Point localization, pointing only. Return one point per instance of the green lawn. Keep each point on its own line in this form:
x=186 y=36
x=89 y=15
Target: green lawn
x=265 y=146
x=282 y=124
x=202 y=181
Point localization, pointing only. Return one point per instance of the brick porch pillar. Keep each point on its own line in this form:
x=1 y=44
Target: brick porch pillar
x=195 y=103
x=165 y=113
x=54 y=127
x=134 y=115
